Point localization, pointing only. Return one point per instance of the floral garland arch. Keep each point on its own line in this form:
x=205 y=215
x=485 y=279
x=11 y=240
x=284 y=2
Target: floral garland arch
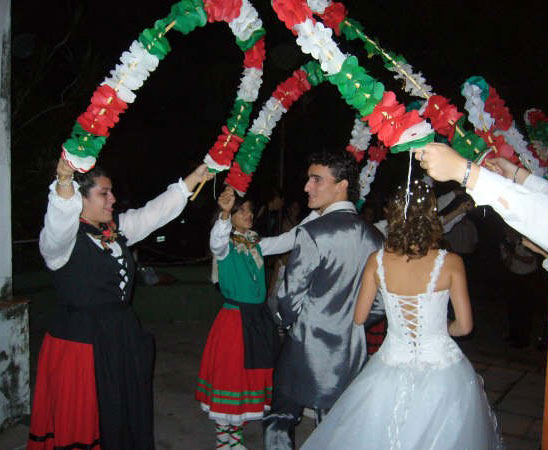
x=499 y=138
x=111 y=98
x=281 y=100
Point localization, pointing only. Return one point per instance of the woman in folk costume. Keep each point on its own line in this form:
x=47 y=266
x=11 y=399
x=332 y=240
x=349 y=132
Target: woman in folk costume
x=418 y=391
x=235 y=380
x=94 y=382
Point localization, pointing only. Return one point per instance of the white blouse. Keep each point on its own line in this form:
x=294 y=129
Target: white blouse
x=62 y=221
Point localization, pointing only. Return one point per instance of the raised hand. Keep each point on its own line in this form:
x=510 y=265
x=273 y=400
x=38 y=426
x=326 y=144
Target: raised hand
x=226 y=202
x=199 y=175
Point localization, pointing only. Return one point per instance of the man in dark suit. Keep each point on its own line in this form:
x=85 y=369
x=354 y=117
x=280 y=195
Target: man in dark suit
x=324 y=349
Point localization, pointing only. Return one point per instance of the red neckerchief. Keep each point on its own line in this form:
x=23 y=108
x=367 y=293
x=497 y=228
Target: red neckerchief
x=106 y=233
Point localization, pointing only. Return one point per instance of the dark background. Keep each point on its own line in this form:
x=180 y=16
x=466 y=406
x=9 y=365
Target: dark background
x=62 y=49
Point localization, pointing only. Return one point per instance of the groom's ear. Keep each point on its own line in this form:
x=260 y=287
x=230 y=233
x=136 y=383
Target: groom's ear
x=342 y=186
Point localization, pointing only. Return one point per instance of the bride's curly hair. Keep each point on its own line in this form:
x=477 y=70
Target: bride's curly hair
x=421 y=230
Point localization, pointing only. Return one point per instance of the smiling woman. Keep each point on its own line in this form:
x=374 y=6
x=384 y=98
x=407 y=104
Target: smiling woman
x=94 y=381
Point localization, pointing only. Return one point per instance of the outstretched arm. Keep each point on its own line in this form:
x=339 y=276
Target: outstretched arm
x=137 y=224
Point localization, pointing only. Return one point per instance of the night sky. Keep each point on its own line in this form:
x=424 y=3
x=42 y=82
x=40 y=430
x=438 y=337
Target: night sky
x=62 y=49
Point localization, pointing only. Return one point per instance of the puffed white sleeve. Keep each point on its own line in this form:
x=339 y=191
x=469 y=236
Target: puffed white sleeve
x=523 y=209
x=137 y=224
x=536 y=184
x=219 y=238
x=61 y=222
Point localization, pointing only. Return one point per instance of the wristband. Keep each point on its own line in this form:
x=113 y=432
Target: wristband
x=515 y=173
x=466 y=173
x=63 y=181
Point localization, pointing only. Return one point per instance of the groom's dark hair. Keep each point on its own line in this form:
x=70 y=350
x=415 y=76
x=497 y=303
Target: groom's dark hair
x=343 y=166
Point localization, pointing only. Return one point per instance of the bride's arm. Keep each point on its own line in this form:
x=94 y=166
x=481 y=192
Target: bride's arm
x=368 y=290
x=463 y=323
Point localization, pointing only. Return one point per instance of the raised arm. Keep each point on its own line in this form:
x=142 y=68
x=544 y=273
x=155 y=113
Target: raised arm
x=219 y=238
x=61 y=222
x=137 y=224
x=463 y=323
x=300 y=269
x=368 y=290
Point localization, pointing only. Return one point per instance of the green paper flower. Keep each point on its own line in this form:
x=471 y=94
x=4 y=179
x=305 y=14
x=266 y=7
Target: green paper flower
x=249 y=155
x=359 y=204
x=539 y=132
x=418 y=143
x=239 y=118
x=314 y=73
x=82 y=143
x=358 y=89
x=247 y=44
x=188 y=14
x=392 y=60
x=154 y=41
x=467 y=144
x=479 y=82
x=351 y=29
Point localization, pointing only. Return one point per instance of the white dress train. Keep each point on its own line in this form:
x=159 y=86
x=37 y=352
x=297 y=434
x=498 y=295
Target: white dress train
x=418 y=392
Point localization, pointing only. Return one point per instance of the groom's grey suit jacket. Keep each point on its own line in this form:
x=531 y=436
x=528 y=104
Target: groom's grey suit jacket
x=324 y=349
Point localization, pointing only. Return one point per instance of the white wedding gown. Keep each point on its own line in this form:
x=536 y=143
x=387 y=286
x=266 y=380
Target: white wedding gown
x=418 y=391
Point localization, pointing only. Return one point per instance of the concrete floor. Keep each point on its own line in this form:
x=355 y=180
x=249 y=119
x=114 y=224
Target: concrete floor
x=514 y=380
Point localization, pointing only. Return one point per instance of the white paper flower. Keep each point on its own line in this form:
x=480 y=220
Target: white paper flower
x=475 y=107
x=137 y=54
x=246 y=23
x=367 y=176
x=361 y=135
x=269 y=116
x=415 y=132
x=214 y=165
x=250 y=84
x=415 y=83
x=318 y=6
x=78 y=163
x=315 y=39
x=123 y=92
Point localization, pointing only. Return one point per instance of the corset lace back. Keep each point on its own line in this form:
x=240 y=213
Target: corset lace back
x=417 y=324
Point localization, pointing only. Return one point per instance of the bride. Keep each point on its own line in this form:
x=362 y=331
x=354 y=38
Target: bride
x=418 y=391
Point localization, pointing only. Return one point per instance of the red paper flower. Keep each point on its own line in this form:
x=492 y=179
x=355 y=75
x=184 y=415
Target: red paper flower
x=97 y=125
x=391 y=130
x=292 y=12
x=377 y=154
x=106 y=97
x=291 y=89
x=255 y=56
x=356 y=153
x=224 y=148
x=442 y=114
x=535 y=116
x=238 y=179
x=388 y=108
x=222 y=10
x=494 y=105
x=333 y=15
x=503 y=149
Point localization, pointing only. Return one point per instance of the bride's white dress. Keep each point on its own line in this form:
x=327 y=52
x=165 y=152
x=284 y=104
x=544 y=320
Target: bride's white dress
x=418 y=391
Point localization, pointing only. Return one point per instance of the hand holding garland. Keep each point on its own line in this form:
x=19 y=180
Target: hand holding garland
x=65 y=175
x=226 y=202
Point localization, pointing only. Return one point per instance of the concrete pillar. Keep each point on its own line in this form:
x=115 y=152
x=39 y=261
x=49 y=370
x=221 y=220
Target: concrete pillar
x=14 y=319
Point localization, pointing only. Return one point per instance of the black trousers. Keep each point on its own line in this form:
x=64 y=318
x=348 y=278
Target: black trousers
x=285 y=414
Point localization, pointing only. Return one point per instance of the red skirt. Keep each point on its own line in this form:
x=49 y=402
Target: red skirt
x=226 y=390
x=64 y=412
x=375 y=337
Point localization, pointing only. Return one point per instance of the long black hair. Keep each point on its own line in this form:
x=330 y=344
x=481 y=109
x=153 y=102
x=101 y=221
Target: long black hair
x=86 y=181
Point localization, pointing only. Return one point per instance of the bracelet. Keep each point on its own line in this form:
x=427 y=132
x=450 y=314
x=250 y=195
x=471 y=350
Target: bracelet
x=466 y=173
x=515 y=173
x=61 y=181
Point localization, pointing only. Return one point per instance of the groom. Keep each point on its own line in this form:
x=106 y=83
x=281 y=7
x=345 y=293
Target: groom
x=324 y=349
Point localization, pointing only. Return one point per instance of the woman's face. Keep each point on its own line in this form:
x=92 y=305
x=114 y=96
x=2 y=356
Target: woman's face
x=242 y=220
x=98 y=205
